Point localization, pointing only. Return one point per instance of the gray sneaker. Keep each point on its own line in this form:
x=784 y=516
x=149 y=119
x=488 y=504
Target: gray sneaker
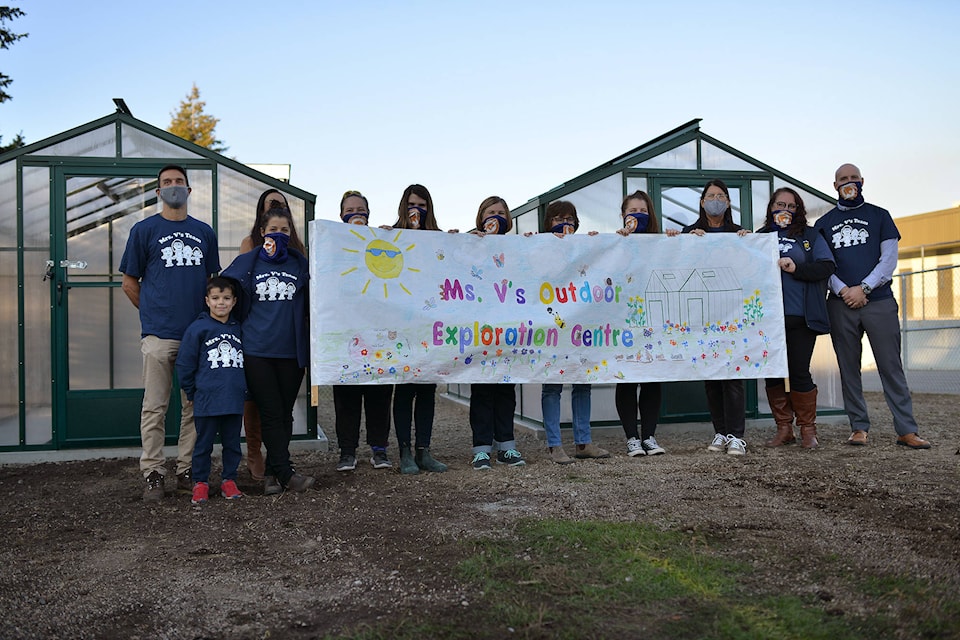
x=154 y=490
x=736 y=446
x=379 y=460
x=719 y=443
x=651 y=447
x=347 y=462
x=635 y=448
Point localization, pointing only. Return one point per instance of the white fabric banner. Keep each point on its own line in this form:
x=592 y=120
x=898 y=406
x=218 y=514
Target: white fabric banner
x=394 y=306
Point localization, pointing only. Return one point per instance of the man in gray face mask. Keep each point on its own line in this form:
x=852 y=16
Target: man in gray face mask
x=165 y=267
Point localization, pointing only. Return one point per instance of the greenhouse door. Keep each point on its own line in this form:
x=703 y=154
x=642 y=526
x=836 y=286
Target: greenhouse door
x=677 y=198
x=97 y=365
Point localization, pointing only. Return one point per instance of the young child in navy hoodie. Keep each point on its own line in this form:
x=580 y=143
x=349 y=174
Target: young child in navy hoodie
x=210 y=366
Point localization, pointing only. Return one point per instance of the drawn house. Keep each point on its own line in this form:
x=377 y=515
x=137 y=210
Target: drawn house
x=693 y=296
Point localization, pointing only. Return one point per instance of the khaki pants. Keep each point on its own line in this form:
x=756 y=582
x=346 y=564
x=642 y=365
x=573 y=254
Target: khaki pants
x=158 y=359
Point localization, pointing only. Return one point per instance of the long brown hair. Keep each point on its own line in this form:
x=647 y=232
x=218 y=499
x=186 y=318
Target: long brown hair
x=260 y=221
x=652 y=226
x=429 y=221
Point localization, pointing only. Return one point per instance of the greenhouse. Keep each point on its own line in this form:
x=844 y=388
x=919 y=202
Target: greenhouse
x=69 y=337
x=673 y=169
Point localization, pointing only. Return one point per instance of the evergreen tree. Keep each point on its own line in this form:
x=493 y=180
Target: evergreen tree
x=7 y=38
x=191 y=123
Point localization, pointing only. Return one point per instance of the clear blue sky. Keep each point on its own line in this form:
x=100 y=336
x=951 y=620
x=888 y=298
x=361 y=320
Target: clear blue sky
x=511 y=98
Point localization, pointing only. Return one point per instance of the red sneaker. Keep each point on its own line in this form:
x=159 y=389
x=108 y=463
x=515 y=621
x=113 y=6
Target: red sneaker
x=228 y=489
x=201 y=492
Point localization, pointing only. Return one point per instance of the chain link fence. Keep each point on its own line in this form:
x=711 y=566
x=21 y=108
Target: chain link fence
x=930 y=318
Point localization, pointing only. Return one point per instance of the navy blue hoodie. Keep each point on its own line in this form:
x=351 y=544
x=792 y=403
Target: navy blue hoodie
x=210 y=366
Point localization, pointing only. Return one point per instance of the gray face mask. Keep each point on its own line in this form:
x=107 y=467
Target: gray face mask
x=174 y=197
x=715 y=208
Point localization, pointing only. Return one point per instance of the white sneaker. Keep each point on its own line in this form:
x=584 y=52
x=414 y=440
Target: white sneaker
x=651 y=447
x=736 y=446
x=635 y=447
x=719 y=443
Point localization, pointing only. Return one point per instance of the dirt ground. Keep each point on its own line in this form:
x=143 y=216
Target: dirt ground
x=83 y=557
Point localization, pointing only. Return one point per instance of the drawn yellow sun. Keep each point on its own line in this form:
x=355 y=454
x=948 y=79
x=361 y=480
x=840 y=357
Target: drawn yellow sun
x=382 y=258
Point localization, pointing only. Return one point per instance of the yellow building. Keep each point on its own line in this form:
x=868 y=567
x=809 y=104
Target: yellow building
x=929 y=257
x=927 y=283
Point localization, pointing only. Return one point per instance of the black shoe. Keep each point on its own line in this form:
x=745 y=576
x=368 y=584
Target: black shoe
x=347 y=462
x=379 y=459
x=271 y=486
x=185 y=483
x=299 y=483
x=154 y=490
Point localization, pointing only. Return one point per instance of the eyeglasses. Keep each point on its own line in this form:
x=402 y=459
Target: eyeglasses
x=783 y=206
x=567 y=219
x=715 y=196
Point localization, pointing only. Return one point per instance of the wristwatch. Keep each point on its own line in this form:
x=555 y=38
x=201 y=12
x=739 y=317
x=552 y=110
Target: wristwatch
x=866 y=288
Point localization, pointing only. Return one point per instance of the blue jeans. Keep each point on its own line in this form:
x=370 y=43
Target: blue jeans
x=580 y=402
x=228 y=426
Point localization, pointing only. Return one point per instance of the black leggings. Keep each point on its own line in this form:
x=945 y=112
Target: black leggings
x=274 y=384
x=648 y=404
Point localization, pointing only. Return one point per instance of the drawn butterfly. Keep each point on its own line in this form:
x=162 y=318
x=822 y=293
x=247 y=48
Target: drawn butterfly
x=498 y=260
x=430 y=304
x=583 y=270
x=440 y=255
x=476 y=272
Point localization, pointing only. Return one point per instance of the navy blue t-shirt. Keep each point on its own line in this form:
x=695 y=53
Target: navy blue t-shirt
x=854 y=237
x=793 y=289
x=210 y=366
x=172 y=259
x=268 y=330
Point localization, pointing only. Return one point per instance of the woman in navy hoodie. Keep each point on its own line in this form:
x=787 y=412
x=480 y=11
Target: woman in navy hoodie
x=805 y=264
x=273 y=311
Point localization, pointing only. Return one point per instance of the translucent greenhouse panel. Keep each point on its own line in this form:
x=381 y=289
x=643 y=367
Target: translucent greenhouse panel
x=8 y=204
x=527 y=222
x=36 y=208
x=200 y=203
x=99 y=143
x=816 y=206
x=598 y=204
x=712 y=157
x=239 y=195
x=760 y=192
x=9 y=350
x=139 y=144
x=37 y=365
x=682 y=157
x=635 y=184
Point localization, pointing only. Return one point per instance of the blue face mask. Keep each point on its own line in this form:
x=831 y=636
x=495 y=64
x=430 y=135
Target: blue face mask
x=636 y=222
x=715 y=208
x=495 y=224
x=274 y=247
x=563 y=228
x=851 y=193
x=416 y=216
x=174 y=197
x=356 y=218
x=782 y=218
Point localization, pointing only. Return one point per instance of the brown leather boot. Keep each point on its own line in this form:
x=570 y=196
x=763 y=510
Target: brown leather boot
x=805 y=404
x=251 y=426
x=782 y=410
